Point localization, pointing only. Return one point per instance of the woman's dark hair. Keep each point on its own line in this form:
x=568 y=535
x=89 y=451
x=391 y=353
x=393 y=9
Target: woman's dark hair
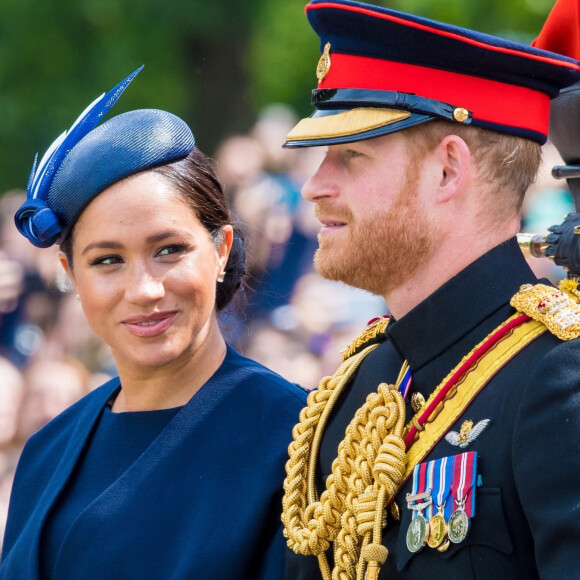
x=195 y=181
x=194 y=178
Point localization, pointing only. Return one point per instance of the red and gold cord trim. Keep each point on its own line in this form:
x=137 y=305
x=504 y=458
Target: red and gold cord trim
x=456 y=392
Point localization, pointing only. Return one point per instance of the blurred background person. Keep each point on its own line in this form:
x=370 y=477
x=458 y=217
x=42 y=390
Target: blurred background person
x=31 y=313
x=10 y=283
x=11 y=392
x=51 y=386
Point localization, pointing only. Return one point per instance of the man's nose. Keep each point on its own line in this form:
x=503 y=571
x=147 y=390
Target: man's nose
x=321 y=185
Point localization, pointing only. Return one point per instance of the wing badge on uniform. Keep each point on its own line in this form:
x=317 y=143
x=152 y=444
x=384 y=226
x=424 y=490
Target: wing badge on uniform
x=468 y=433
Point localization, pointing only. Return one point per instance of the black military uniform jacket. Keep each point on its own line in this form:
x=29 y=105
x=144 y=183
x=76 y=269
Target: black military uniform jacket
x=527 y=522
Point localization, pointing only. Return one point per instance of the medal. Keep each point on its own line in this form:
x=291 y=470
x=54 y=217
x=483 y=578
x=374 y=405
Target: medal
x=439 y=486
x=418 y=500
x=440 y=478
x=462 y=489
x=458 y=526
x=437 y=531
x=417 y=533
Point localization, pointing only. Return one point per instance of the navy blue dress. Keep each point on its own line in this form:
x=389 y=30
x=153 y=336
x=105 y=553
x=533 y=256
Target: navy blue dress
x=198 y=496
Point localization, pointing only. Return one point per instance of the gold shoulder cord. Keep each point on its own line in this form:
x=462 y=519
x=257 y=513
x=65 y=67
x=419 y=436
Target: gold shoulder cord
x=368 y=470
x=557 y=309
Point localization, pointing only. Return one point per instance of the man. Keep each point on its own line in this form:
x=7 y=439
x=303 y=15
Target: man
x=447 y=445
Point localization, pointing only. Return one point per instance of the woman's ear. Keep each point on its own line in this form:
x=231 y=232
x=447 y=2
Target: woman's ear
x=66 y=267
x=225 y=247
x=455 y=163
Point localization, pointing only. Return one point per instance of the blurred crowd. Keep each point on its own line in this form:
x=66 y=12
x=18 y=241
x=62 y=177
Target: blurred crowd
x=288 y=317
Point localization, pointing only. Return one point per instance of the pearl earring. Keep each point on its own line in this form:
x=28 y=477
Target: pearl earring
x=221 y=276
x=79 y=298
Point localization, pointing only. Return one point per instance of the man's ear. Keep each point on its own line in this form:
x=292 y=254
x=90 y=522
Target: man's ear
x=455 y=163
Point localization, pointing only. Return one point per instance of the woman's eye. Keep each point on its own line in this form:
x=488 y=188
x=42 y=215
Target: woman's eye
x=172 y=249
x=106 y=261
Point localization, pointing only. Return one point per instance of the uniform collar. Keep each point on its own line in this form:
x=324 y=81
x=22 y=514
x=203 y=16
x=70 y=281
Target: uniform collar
x=461 y=304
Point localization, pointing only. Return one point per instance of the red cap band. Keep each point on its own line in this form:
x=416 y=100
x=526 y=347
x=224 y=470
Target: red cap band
x=519 y=107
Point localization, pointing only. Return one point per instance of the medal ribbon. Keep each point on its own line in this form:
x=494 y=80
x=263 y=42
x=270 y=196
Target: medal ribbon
x=443 y=469
x=431 y=486
x=415 y=480
x=405 y=381
x=464 y=478
x=420 y=483
x=435 y=475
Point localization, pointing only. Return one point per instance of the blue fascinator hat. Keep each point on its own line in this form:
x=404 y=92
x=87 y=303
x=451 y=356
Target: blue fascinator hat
x=87 y=159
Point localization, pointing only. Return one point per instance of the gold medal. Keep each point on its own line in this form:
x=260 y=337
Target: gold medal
x=437 y=531
x=444 y=546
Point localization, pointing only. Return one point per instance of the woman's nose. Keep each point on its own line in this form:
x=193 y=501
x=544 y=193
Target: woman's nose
x=143 y=287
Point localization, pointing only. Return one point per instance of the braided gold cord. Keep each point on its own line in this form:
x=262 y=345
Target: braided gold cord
x=308 y=527
x=382 y=419
x=365 y=475
x=369 y=333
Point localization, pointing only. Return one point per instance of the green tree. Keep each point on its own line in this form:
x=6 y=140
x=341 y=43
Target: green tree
x=215 y=63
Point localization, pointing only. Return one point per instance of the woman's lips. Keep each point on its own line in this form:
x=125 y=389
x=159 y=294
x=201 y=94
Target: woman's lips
x=146 y=326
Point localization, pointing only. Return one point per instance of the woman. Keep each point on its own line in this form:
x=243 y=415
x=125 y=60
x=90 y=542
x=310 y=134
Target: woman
x=173 y=469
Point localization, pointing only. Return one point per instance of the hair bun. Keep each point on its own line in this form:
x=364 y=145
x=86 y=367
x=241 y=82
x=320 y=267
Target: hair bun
x=236 y=270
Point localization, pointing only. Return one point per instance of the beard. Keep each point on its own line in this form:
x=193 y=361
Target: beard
x=385 y=248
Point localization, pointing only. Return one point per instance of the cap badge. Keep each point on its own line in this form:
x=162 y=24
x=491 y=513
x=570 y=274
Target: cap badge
x=324 y=63
x=467 y=434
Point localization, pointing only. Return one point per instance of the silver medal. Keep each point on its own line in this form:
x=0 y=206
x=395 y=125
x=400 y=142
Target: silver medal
x=417 y=533
x=458 y=526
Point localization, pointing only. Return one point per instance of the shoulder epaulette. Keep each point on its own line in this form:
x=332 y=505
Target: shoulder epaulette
x=557 y=309
x=373 y=333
